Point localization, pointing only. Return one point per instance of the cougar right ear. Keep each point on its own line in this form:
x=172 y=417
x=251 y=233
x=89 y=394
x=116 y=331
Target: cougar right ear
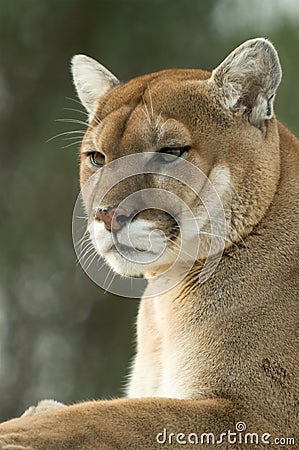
x=248 y=78
x=92 y=80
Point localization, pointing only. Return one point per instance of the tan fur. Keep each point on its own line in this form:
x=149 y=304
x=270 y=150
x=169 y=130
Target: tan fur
x=212 y=354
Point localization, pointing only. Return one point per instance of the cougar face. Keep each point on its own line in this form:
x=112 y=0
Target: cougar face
x=171 y=158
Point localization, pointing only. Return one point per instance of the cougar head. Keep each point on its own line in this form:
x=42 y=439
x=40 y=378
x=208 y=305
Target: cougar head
x=178 y=158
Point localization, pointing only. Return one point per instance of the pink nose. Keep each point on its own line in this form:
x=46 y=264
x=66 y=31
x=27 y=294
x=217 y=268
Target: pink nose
x=113 y=218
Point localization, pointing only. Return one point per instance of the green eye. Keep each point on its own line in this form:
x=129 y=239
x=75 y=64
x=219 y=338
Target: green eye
x=97 y=159
x=169 y=154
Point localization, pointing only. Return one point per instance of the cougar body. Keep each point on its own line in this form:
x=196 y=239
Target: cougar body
x=212 y=352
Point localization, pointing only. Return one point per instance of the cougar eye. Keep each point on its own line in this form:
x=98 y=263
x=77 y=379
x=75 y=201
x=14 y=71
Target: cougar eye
x=169 y=154
x=97 y=159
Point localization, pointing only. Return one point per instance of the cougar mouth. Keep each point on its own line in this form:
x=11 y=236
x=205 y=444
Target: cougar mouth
x=127 y=248
x=136 y=246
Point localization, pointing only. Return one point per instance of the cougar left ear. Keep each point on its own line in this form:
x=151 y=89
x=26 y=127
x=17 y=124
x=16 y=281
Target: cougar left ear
x=248 y=79
x=92 y=80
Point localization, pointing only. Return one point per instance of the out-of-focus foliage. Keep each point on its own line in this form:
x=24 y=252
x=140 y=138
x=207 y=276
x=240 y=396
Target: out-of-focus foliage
x=60 y=335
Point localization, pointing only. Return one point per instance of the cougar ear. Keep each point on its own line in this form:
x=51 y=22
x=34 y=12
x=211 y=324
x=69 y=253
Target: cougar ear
x=92 y=80
x=248 y=79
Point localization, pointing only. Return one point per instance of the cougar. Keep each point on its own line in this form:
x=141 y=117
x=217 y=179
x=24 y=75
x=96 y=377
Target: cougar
x=190 y=181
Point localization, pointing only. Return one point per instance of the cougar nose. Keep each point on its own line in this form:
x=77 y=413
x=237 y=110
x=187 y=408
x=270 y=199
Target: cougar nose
x=113 y=218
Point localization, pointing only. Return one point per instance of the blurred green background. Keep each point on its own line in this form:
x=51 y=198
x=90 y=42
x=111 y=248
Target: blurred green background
x=60 y=336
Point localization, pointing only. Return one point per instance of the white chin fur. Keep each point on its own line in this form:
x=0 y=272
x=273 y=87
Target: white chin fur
x=136 y=251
